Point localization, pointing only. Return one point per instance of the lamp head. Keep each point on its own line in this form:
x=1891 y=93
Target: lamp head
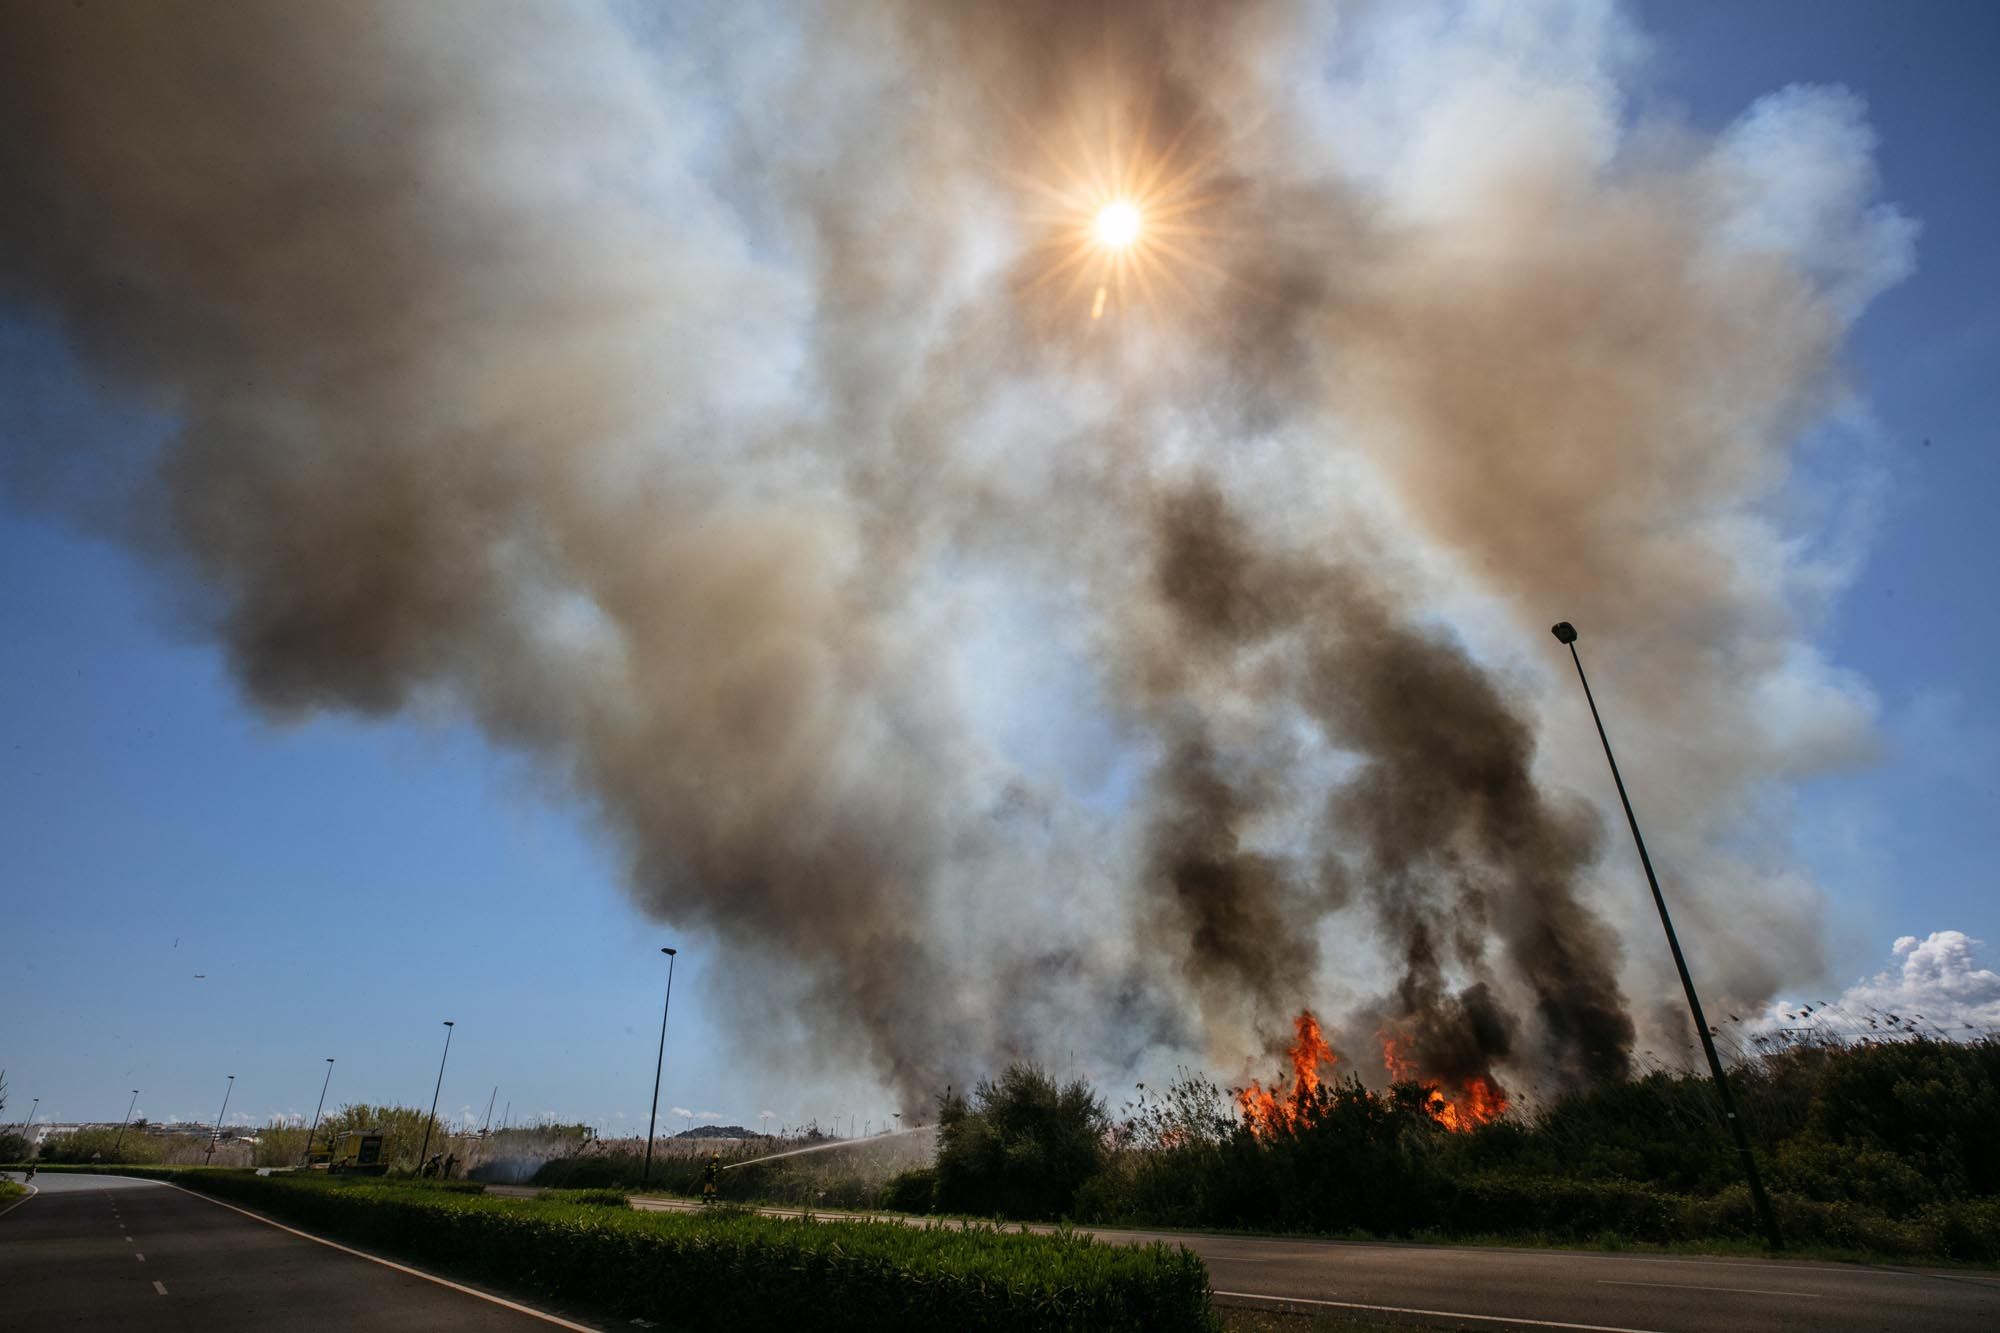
x=1564 y=631
x=668 y=952
x=448 y=1023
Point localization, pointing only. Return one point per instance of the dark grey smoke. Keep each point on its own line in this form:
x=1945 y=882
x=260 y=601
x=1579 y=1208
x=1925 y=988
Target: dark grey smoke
x=699 y=402
x=1459 y=853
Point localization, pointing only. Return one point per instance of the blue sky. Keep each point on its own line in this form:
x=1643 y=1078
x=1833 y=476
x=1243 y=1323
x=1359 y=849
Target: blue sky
x=1899 y=843
x=344 y=886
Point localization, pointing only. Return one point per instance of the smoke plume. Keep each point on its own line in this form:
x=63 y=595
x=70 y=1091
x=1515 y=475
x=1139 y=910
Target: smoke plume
x=998 y=659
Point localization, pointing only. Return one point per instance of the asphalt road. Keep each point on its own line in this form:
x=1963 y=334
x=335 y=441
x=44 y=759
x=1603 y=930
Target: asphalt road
x=1650 y=1293
x=107 y=1252
x=1492 y=1288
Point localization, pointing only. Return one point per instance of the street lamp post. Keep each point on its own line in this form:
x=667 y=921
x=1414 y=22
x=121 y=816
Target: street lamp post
x=423 y=1154
x=317 y=1109
x=659 y=1064
x=119 y=1142
x=1566 y=634
x=31 y=1112
x=216 y=1133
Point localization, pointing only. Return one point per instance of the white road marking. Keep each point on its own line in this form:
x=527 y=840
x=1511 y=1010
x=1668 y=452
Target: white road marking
x=140 y=1257
x=1434 y=1314
x=160 y=1287
x=1689 y=1286
x=1730 y=1261
x=501 y=1301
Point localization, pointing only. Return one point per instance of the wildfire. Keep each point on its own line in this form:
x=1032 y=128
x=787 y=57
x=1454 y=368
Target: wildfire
x=1268 y=1110
x=1479 y=1100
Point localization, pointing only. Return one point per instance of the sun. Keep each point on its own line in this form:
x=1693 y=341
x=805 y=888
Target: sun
x=1121 y=214
x=1118 y=223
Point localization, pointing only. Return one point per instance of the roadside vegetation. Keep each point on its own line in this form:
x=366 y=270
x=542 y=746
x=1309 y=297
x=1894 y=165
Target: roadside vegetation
x=282 y=1144
x=1878 y=1151
x=729 y=1269
x=1882 y=1149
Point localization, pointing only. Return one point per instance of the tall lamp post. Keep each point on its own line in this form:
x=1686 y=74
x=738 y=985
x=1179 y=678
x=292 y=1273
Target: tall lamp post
x=317 y=1109
x=423 y=1154
x=36 y=1106
x=659 y=1063
x=217 y=1132
x=1566 y=634
x=119 y=1142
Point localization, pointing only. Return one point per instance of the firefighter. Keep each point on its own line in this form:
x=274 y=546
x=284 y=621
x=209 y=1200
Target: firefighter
x=709 y=1174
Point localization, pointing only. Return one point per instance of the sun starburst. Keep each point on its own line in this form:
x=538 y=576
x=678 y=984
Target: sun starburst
x=1120 y=216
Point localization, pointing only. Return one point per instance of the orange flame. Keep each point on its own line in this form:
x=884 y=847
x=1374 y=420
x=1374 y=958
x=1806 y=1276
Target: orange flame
x=1401 y=1069
x=1268 y=1110
x=1480 y=1100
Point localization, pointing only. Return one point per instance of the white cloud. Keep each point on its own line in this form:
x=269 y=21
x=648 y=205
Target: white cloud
x=1933 y=986
x=680 y=1111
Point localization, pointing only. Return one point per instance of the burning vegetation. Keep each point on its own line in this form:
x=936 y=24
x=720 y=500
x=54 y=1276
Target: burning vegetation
x=1478 y=1098
x=1460 y=1104
x=1268 y=1110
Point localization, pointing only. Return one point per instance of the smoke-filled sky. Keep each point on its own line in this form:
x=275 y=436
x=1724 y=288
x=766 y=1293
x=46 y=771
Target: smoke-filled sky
x=497 y=485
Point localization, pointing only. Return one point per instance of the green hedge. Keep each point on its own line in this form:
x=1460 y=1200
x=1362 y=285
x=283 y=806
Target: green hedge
x=730 y=1271
x=588 y=1198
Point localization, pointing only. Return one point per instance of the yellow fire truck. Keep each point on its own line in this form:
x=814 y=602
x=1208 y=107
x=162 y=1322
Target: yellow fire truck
x=353 y=1153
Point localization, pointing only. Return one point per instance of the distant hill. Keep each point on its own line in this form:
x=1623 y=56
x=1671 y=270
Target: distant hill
x=717 y=1132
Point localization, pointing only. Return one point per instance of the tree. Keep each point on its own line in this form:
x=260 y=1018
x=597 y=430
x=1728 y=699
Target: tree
x=1021 y=1148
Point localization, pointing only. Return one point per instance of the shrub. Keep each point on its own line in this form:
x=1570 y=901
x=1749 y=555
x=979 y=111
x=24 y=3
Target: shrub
x=1967 y=1229
x=911 y=1191
x=1931 y=1103
x=1571 y=1210
x=1021 y=1148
